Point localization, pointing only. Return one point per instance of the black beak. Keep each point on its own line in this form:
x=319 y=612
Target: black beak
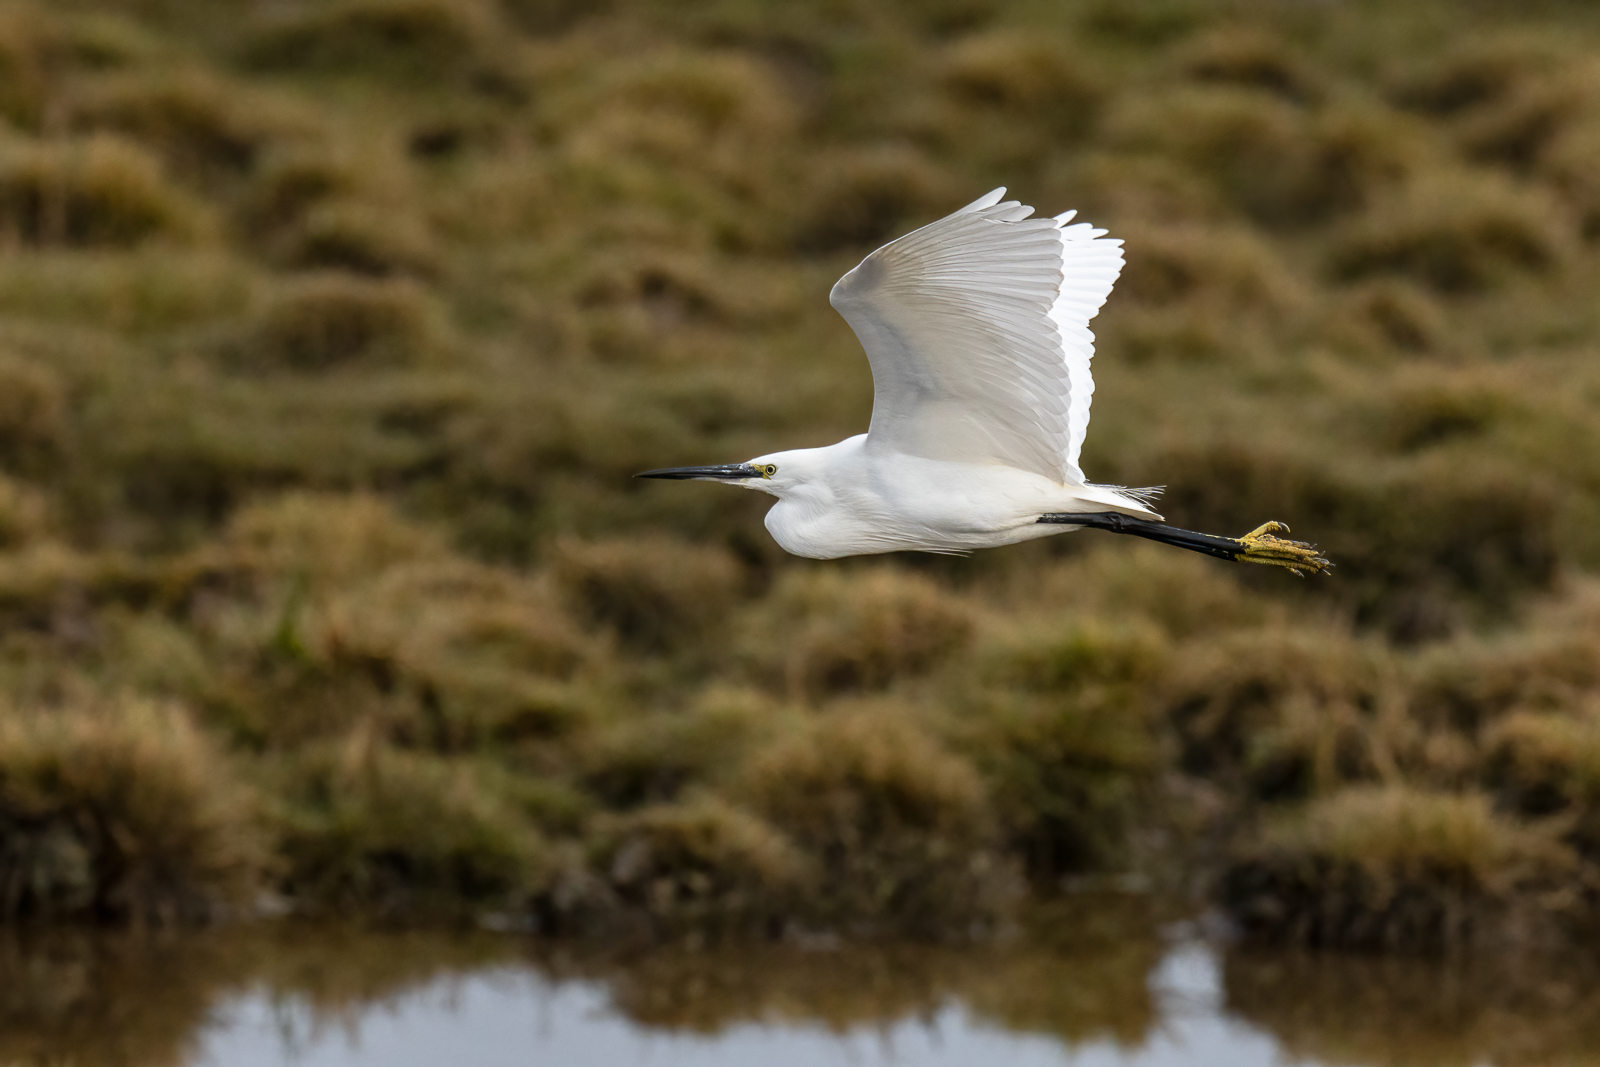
x=724 y=472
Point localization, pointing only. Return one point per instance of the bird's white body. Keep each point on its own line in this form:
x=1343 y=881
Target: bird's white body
x=976 y=327
x=852 y=499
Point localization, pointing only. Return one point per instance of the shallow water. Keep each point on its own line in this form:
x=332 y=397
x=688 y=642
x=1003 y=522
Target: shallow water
x=1104 y=982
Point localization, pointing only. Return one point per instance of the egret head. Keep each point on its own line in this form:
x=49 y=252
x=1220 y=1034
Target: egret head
x=771 y=474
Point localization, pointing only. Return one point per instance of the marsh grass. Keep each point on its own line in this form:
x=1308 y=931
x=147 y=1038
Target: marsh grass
x=329 y=339
x=98 y=191
x=1386 y=866
x=123 y=810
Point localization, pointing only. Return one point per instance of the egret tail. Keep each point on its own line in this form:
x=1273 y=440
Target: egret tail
x=1258 y=546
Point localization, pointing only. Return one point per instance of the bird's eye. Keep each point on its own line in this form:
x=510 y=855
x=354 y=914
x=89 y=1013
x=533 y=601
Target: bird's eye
x=769 y=470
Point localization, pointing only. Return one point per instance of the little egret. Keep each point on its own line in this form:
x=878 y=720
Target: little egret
x=977 y=330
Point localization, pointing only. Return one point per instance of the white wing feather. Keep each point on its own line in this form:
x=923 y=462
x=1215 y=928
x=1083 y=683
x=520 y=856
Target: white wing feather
x=976 y=327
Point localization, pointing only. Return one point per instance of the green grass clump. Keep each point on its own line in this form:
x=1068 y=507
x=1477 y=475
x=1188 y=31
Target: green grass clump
x=703 y=864
x=98 y=191
x=1385 y=866
x=1253 y=58
x=826 y=632
x=22 y=513
x=33 y=409
x=1549 y=765
x=126 y=810
x=898 y=828
x=402 y=40
x=1067 y=774
x=209 y=131
x=327 y=321
x=362 y=826
x=653 y=594
x=1456 y=234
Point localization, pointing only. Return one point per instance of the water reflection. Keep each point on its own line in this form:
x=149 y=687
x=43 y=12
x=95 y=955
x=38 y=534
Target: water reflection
x=1099 y=982
x=1487 y=1009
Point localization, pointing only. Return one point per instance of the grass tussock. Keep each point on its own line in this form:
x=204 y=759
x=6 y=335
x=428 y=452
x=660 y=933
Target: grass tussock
x=653 y=594
x=1378 y=867
x=896 y=826
x=330 y=321
x=861 y=196
x=121 y=811
x=702 y=864
x=208 y=130
x=823 y=631
x=404 y=41
x=33 y=411
x=1024 y=73
x=1071 y=747
x=1456 y=234
x=366 y=827
x=98 y=191
x=1252 y=58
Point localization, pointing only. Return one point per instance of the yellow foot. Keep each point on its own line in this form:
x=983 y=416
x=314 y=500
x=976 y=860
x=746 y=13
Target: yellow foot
x=1261 y=547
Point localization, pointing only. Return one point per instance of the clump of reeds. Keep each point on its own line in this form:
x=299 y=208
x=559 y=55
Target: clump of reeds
x=1012 y=73
x=33 y=411
x=330 y=540
x=1250 y=57
x=1548 y=763
x=1400 y=314
x=35 y=52
x=1067 y=742
x=1476 y=70
x=208 y=130
x=1572 y=167
x=898 y=829
x=425 y=647
x=1455 y=232
x=97 y=191
x=1283 y=714
x=821 y=631
x=1219 y=267
x=22 y=513
x=654 y=594
x=362 y=826
x=863 y=196
x=1249 y=144
x=405 y=41
x=1394 y=866
x=124 y=809
x=703 y=864
x=639 y=755
x=330 y=320
x=1432 y=410
x=365 y=239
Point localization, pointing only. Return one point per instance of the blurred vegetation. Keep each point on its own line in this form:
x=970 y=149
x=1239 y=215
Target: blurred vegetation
x=330 y=334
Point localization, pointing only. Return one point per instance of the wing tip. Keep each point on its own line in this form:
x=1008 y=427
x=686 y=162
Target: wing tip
x=989 y=199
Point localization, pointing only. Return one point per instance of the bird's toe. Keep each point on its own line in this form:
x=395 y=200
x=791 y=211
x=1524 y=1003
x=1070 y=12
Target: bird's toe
x=1261 y=546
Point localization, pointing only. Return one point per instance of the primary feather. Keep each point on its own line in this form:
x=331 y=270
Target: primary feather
x=976 y=327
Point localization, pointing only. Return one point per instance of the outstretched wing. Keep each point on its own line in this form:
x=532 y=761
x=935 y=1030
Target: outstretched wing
x=976 y=327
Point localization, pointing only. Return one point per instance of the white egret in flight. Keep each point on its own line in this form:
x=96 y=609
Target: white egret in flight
x=977 y=329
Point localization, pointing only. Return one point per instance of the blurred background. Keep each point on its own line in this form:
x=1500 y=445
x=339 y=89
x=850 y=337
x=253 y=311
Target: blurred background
x=331 y=334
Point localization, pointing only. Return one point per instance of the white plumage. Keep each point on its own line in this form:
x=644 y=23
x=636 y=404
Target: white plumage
x=977 y=329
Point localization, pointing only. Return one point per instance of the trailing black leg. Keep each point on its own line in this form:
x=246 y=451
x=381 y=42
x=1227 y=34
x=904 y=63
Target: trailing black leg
x=1257 y=546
